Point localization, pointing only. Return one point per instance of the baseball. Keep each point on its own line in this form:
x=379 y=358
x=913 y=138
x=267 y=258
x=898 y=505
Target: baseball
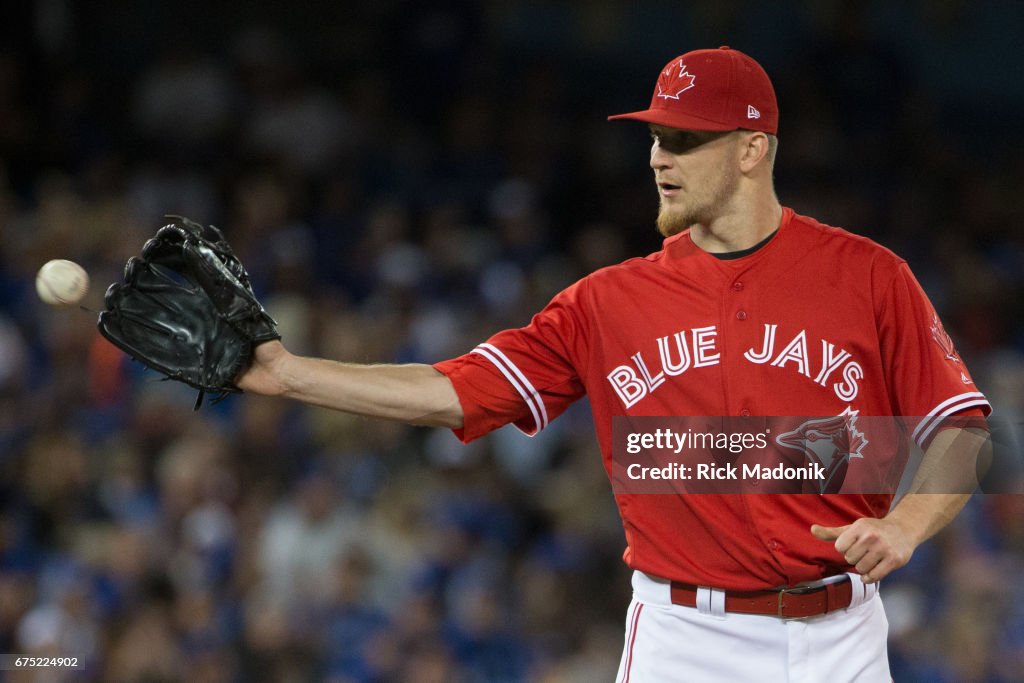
x=61 y=282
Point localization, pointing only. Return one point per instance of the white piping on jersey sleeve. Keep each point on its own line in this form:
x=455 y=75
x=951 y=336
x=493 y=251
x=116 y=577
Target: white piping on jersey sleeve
x=945 y=409
x=518 y=380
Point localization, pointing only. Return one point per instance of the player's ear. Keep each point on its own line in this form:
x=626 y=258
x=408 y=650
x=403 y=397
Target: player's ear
x=753 y=148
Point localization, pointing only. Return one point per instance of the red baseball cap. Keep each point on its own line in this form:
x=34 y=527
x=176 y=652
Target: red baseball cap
x=721 y=89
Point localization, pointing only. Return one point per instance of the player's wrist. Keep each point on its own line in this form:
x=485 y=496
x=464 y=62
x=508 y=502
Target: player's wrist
x=279 y=364
x=910 y=519
x=266 y=372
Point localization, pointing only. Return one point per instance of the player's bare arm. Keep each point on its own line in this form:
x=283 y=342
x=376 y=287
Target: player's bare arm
x=413 y=393
x=941 y=488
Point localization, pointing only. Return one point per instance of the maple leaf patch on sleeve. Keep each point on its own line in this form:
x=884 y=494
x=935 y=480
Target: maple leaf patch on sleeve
x=945 y=342
x=943 y=339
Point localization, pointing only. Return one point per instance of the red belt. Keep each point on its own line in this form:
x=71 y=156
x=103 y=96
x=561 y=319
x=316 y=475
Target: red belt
x=798 y=602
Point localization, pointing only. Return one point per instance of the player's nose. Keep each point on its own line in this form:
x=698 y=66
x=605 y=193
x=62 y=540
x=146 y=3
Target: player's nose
x=660 y=159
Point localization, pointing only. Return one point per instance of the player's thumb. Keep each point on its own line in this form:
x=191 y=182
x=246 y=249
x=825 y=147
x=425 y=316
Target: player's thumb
x=827 y=533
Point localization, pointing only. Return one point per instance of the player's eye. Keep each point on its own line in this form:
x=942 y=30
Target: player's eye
x=682 y=141
x=676 y=142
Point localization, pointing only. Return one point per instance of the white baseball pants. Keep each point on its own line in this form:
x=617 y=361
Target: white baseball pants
x=666 y=643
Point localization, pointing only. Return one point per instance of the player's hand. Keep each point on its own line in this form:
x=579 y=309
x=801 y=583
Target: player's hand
x=263 y=374
x=875 y=547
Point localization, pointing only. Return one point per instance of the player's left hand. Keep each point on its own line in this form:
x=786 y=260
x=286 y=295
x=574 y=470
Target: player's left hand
x=875 y=547
x=186 y=309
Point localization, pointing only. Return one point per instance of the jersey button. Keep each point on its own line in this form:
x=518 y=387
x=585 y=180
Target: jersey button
x=773 y=545
x=741 y=315
x=745 y=413
x=738 y=286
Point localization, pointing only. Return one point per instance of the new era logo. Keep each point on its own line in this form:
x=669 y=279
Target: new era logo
x=752 y=113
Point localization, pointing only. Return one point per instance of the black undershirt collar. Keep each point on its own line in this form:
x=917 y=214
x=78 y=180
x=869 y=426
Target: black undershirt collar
x=730 y=255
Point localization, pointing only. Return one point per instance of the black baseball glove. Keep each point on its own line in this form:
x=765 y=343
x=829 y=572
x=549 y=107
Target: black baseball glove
x=187 y=310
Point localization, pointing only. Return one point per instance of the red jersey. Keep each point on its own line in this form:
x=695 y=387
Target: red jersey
x=816 y=322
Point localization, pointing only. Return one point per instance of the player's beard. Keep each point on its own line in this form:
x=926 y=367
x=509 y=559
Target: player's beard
x=699 y=205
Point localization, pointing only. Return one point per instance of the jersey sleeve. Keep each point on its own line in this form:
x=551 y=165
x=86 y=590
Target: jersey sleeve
x=928 y=381
x=526 y=376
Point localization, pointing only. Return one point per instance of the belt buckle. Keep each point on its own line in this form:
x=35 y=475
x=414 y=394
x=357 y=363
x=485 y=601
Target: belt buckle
x=780 y=611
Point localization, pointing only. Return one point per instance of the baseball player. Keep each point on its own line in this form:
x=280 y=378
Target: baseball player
x=749 y=309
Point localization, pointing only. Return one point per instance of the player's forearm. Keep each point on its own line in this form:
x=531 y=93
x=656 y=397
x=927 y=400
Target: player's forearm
x=417 y=394
x=941 y=487
x=943 y=484
x=922 y=515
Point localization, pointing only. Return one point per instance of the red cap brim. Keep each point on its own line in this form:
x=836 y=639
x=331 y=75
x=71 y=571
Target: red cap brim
x=671 y=119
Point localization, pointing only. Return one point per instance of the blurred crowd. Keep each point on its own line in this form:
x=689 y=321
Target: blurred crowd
x=402 y=180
